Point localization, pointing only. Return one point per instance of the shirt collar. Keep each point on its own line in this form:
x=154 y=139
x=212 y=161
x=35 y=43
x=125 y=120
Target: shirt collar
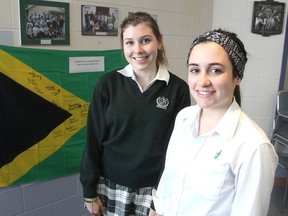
x=227 y=125
x=162 y=73
x=229 y=122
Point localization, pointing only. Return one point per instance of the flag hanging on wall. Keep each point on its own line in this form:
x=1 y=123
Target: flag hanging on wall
x=43 y=110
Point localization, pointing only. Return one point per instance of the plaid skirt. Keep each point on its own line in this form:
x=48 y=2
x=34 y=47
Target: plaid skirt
x=124 y=201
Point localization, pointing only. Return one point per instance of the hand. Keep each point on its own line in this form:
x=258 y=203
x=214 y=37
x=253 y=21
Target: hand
x=96 y=208
x=153 y=213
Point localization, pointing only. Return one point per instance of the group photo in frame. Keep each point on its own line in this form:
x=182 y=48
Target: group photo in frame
x=99 y=21
x=44 y=22
x=267 y=18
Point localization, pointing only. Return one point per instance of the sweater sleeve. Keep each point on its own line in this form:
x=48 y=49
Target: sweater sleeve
x=90 y=167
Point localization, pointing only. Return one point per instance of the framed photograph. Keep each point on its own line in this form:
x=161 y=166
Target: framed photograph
x=267 y=17
x=44 y=22
x=99 y=21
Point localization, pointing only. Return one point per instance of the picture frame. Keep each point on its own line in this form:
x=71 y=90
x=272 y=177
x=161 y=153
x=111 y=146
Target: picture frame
x=267 y=18
x=44 y=22
x=99 y=21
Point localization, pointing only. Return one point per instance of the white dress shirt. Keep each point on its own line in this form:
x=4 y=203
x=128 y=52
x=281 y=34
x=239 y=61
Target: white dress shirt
x=226 y=172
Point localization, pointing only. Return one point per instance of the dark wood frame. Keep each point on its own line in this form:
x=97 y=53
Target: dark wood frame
x=56 y=16
x=267 y=17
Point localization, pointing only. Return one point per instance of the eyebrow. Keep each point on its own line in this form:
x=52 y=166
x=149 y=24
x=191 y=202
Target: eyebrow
x=211 y=64
x=192 y=64
x=125 y=39
x=144 y=36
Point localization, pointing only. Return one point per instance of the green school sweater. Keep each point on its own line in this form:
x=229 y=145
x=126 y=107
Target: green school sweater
x=128 y=131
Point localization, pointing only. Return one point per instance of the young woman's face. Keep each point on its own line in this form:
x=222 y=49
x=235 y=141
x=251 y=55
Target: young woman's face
x=140 y=47
x=210 y=76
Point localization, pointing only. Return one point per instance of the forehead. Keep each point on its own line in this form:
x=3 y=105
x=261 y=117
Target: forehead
x=208 y=51
x=137 y=30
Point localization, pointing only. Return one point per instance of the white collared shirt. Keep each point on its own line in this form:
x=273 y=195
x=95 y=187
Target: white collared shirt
x=162 y=74
x=227 y=172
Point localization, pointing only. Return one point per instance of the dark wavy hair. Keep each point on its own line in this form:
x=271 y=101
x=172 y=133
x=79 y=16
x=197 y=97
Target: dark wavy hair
x=233 y=36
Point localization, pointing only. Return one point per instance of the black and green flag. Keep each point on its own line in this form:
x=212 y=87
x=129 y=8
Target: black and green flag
x=43 y=111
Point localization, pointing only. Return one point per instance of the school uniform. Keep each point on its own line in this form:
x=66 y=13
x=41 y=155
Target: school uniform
x=228 y=171
x=128 y=130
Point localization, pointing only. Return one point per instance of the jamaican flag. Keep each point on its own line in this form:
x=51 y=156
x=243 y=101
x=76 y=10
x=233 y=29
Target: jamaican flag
x=43 y=111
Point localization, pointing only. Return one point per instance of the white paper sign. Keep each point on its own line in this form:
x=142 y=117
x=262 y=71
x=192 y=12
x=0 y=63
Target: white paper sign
x=45 y=42
x=86 y=64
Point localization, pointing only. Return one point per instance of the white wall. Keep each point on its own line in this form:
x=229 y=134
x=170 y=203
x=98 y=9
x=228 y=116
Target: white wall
x=261 y=77
x=179 y=21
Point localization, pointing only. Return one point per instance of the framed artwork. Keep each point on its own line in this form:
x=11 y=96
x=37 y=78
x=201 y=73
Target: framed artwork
x=267 y=17
x=44 y=22
x=99 y=21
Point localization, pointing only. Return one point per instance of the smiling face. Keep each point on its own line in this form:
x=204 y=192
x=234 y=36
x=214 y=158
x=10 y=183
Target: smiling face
x=140 y=47
x=210 y=76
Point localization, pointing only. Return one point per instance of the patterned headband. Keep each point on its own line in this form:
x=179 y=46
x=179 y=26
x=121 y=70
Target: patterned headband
x=237 y=55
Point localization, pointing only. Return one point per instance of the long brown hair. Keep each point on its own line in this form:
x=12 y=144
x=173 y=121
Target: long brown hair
x=142 y=17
